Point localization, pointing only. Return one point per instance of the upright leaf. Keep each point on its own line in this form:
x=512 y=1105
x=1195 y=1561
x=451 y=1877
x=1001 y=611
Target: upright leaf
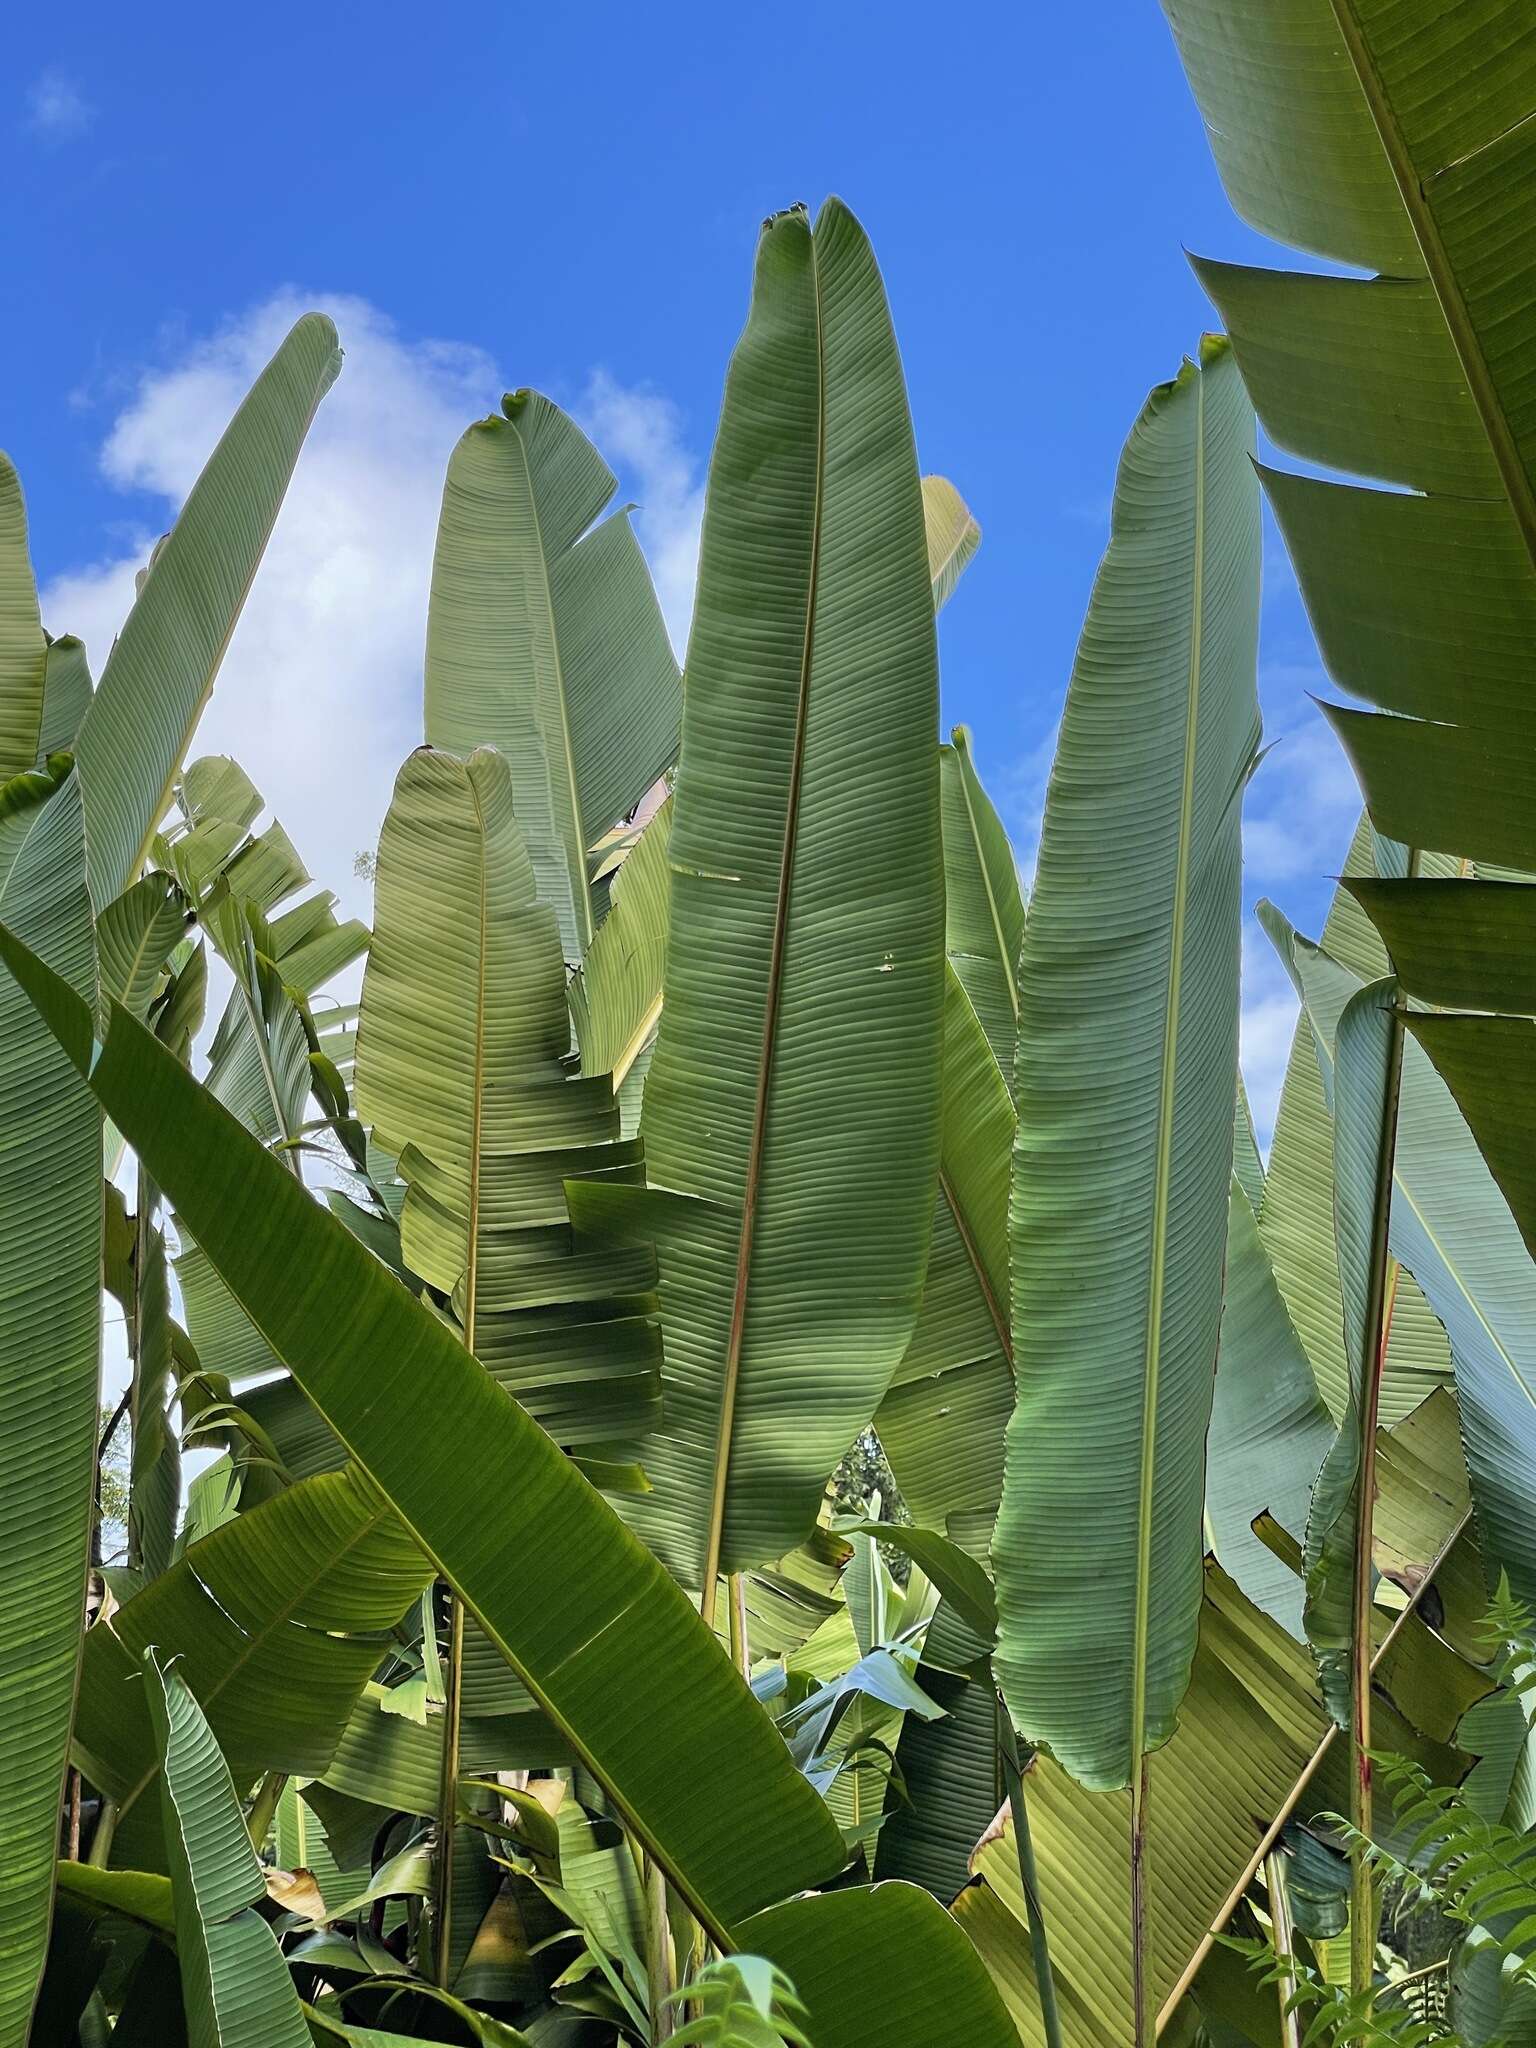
x=234 y=1981
x=545 y=640
x=791 y=1111
x=984 y=906
x=1126 y=1077
x=50 y=1326
x=163 y=663
x=23 y=646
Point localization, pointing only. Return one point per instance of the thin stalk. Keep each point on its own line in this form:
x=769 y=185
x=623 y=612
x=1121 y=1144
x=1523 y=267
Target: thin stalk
x=141 y=1229
x=101 y=1839
x=660 y=1974
x=1145 y=2014
x=72 y=1815
x=263 y=1808
x=1362 y=1903
x=1285 y=1946
x=736 y=1610
x=1013 y=1777
x=447 y=1797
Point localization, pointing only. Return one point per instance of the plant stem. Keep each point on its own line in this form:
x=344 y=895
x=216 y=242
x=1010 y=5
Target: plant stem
x=447 y=1797
x=1145 y=2014
x=259 y=1820
x=736 y=1611
x=106 y=1828
x=1024 y=1848
x=1362 y=1907
x=1285 y=1945
x=72 y=1815
x=659 y=1971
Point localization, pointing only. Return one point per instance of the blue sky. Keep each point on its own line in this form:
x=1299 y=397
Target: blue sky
x=494 y=196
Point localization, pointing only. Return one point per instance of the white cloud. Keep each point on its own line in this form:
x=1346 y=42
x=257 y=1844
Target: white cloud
x=1269 y=1011
x=319 y=696
x=640 y=433
x=1301 y=806
x=56 y=108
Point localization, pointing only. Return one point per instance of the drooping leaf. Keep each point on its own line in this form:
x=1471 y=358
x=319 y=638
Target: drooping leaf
x=953 y=536
x=1126 y=1075
x=545 y=640
x=697 y=1771
x=235 y=1983
x=791 y=1116
x=135 y=936
x=66 y=696
x=273 y=1618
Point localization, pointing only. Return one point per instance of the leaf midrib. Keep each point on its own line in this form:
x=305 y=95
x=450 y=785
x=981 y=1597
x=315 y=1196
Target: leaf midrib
x=1010 y=968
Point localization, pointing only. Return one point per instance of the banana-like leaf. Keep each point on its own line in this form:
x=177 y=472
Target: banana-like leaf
x=1127 y=1069
x=696 y=1769
x=1486 y=1064
x=953 y=536
x=1451 y=1228
x=234 y=1981
x=23 y=646
x=941 y=1424
x=1269 y=1427
x=545 y=640
x=1296 y=1218
x=791 y=1117
x=163 y=663
x=50 y=1318
x=462 y=1070
x=1417 y=164
x=983 y=904
x=274 y=1618
x=616 y=998
x=876 y=1965
x=135 y=936
x=1246 y=1162
x=66 y=696
x=1362 y=1107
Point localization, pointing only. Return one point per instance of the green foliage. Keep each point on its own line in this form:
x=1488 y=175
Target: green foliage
x=740 y=2002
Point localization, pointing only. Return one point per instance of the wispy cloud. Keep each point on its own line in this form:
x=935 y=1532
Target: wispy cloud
x=57 y=110
x=641 y=434
x=319 y=696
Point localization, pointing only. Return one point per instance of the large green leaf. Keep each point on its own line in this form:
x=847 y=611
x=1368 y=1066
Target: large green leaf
x=1269 y=1428
x=23 y=647
x=1126 y=1076
x=1364 y=1102
x=50 y=1317
x=616 y=998
x=235 y=1984
x=274 y=1618
x=1296 y=1218
x=1416 y=162
x=545 y=640
x=942 y=1422
x=984 y=906
x=463 y=1072
x=66 y=696
x=1452 y=1229
x=791 y=1115
x=881 y=1965
x=163 y=663
x=621 y=1662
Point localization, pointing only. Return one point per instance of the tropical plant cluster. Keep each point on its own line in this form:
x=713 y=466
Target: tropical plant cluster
x=767 y=1462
